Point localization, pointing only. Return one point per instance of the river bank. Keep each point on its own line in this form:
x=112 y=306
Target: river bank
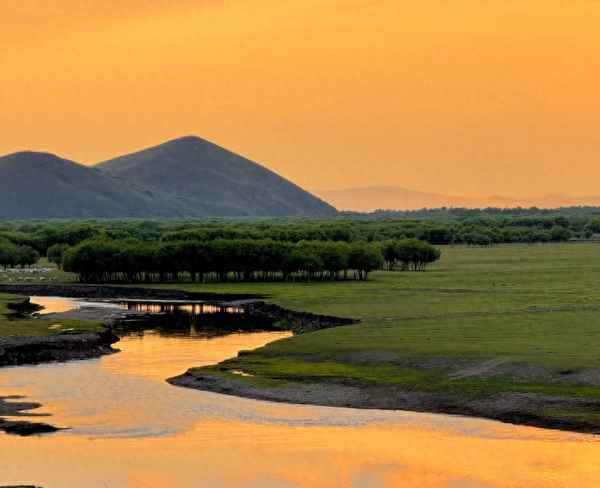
x=61 y=347
x=253 y=306
x=90 y=331
x=76 y=290
x=474 y=335
x=129 y=428
x=502 y=333
x=28 y=339
x=531 y=409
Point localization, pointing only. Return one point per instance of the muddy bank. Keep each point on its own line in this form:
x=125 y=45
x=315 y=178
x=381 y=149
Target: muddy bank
x=255 y=315
x=252 y=314
x=61 y=347
x=115 y=319
x=298 y=322
x=22 y=307
x=517 y=408
x=15 y=409
x=109 y=292
x=254 y=306
x=18 y=350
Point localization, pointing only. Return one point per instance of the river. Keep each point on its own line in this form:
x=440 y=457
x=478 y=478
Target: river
x=130 y=429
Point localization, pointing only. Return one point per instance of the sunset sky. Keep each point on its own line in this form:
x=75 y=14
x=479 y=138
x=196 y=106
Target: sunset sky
x=468 y=97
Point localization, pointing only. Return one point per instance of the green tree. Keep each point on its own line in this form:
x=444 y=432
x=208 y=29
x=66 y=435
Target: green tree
x=56 y=252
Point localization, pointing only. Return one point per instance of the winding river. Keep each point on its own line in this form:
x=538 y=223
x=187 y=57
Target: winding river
x=130 y=429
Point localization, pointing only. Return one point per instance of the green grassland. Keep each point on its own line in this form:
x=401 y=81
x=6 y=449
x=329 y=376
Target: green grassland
x=534 y=307
x=12 y=324
x=42 y=272
x=504 y=278
x=480 y=322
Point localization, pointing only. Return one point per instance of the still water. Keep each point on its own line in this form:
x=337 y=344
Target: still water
x=60 y=304
x=129 y=428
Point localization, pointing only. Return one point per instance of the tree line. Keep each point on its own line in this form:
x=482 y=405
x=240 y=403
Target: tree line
x=12 y=255
x=469 y=227
x=103 y=260
x=409 y=254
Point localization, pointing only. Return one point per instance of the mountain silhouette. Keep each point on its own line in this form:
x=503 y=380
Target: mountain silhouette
x=213 y=181
x=42 y=185
x=184 y=178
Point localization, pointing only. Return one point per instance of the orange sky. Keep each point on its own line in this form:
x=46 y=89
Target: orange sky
x=463 y=97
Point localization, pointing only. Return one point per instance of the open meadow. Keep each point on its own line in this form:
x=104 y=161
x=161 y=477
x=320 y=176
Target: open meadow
x=483 y=321
x=506 y=331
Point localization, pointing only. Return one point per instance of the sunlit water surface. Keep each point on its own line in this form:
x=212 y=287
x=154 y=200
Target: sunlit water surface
x=129 y=428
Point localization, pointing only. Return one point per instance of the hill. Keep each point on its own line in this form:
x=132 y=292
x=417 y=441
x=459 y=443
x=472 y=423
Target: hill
x=42 y=185
x=368 y=199
x=214 y=181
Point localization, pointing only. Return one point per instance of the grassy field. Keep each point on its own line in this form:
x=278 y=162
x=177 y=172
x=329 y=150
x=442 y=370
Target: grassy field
x=466 y=280
x=42 y=272
x=518 y=299
x=513 y=318
x=510 y=319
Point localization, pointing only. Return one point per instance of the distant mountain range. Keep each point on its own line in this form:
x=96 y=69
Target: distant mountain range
x=187 y=177
x=368 y=199
x=193 y=178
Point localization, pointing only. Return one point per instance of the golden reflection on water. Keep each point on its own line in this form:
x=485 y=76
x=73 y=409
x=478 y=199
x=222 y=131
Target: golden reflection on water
x=62 y=304
x=237 y=454
x=144 y=355
x=132 y=430
x=54 y=304
x=190 y=308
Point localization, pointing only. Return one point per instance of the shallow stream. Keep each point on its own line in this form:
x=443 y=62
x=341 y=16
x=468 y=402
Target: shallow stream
x=131 y=429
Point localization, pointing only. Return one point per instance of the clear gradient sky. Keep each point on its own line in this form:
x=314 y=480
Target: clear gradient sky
x=466 y=97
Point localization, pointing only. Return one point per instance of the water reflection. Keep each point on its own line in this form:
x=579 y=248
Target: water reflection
x=130 y=429
x=62 y=304
x=173 y=308
x=195 y=318
x=192 y=317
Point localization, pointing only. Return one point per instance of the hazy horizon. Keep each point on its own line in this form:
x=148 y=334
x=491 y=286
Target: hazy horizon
x=368 y=199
